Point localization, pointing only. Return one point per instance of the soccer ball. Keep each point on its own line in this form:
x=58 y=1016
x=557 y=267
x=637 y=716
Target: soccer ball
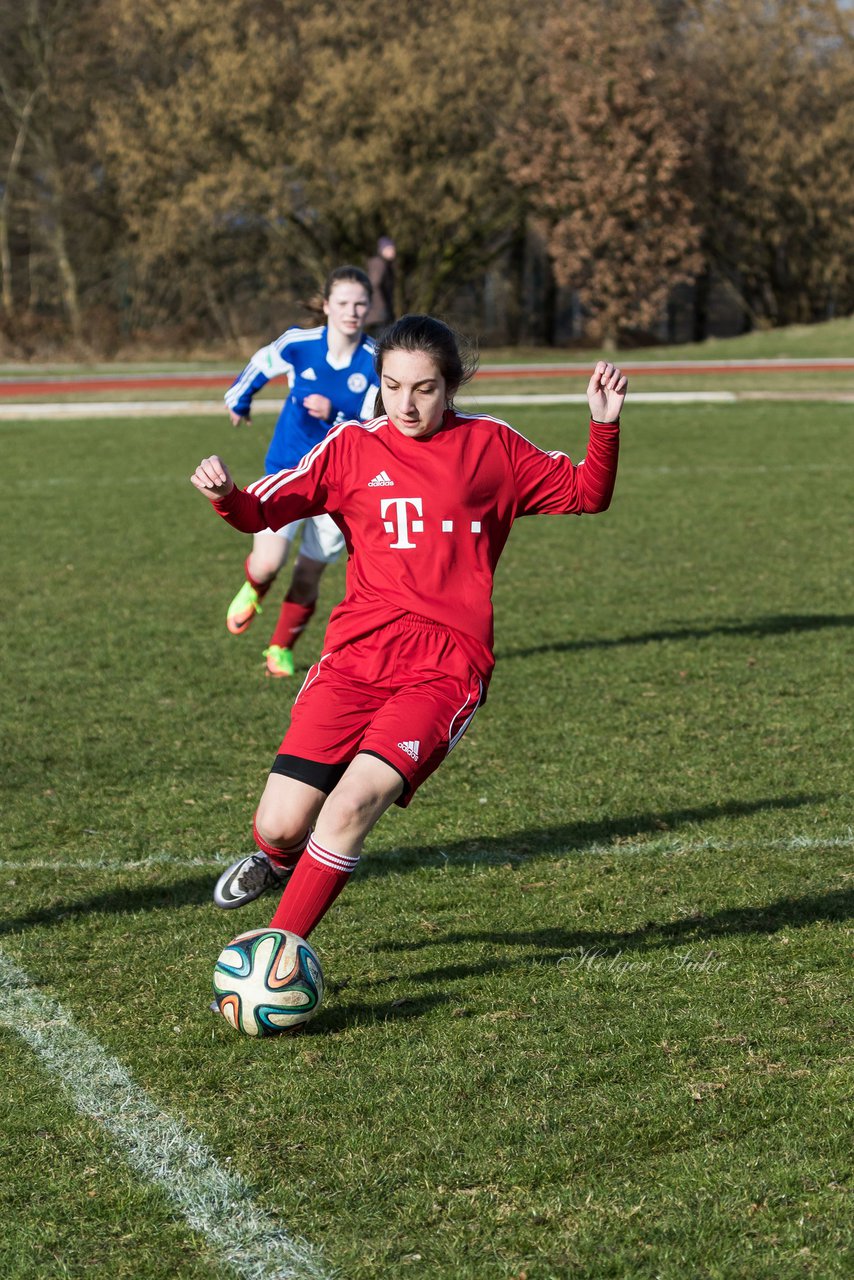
x=268 y=981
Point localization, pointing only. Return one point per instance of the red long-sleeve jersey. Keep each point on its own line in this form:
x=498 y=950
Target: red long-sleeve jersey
x=425 y=520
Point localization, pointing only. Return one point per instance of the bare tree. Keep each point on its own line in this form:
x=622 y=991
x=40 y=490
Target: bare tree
x=45 y=64
x=602 y=161
x=773 y=145
x=254 y=145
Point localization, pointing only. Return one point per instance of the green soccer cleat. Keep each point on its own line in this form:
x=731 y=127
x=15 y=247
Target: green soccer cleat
x=280 y=662
x=242 y=609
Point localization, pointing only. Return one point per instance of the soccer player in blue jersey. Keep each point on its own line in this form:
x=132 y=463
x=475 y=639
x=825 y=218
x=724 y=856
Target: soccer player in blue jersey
x=331 y=376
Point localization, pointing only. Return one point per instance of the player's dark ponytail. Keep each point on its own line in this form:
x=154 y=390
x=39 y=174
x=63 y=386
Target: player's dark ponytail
x=454 y=356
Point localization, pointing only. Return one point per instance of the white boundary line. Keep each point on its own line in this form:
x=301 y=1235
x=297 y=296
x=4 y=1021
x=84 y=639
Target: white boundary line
x=160 y=408
x=214 y=1202
x=105 y=863
x=124 y=409
x=656 y=844
x=636 y=397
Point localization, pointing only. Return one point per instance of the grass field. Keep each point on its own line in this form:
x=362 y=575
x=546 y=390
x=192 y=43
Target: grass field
x=587 y=995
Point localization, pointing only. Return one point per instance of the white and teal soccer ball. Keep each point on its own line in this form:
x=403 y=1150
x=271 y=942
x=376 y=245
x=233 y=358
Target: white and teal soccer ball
x=268 y=981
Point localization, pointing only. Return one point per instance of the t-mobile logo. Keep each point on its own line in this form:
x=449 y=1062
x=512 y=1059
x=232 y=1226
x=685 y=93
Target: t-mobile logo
x=400 y=523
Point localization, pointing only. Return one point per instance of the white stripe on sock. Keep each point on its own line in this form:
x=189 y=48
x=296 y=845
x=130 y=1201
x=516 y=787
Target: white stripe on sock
x=332 y=861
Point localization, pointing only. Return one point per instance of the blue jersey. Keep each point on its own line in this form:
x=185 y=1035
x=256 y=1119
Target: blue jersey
x=302 y=356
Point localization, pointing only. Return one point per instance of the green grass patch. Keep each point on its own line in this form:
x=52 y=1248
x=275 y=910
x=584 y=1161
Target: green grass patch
x=831 y=338
x=586 y=1012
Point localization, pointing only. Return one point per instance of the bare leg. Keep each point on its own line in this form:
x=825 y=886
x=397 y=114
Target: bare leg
x=283 y=822
x=352 y=809
x=287 y=810
x=343 y=819
x=269 y=552
x=298 y=605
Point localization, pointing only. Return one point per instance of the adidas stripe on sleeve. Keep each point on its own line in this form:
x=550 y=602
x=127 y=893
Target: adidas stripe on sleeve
x=268 y=362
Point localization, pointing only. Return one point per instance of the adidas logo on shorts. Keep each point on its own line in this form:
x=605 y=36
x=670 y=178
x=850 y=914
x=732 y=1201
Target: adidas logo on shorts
x=381 y=480
x=411 y=748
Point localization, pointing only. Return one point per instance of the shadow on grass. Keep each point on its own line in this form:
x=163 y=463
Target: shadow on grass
x=119 y=901
x=554 y=945
x=577 y=949
x=341 y=1017
x=575 y=837
x=769 y=625
x=518 y=845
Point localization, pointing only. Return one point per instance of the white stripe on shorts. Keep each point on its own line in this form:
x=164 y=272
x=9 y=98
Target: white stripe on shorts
x=453 y=738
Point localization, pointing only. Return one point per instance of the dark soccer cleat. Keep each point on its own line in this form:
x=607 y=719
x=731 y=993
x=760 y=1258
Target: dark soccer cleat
x=246 y=879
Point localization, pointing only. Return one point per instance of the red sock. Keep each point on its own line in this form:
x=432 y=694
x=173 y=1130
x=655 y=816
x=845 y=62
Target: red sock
x=282 y=856
x=315 y=884
x=261 y=587
x=293 y=619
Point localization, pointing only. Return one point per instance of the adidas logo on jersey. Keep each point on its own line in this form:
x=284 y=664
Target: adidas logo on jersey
x=380 y=481
x=411 y=748
x=310 y=375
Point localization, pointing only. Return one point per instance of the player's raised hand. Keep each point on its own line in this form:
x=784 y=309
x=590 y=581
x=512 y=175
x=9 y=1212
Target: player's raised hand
x=239 y=419
x=606 y=392
x=212 y=478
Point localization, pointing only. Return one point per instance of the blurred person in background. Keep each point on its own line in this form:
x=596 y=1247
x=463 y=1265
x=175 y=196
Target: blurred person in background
x=382 y=276
x=331 y=375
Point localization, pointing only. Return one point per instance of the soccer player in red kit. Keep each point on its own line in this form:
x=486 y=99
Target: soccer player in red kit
x=425 y=497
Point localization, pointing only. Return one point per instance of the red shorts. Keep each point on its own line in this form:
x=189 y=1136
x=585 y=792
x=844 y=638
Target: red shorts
x=404 y=693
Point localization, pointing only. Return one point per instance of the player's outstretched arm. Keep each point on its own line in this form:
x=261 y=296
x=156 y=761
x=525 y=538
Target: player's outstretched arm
x=212 y=478
x=606 y=392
